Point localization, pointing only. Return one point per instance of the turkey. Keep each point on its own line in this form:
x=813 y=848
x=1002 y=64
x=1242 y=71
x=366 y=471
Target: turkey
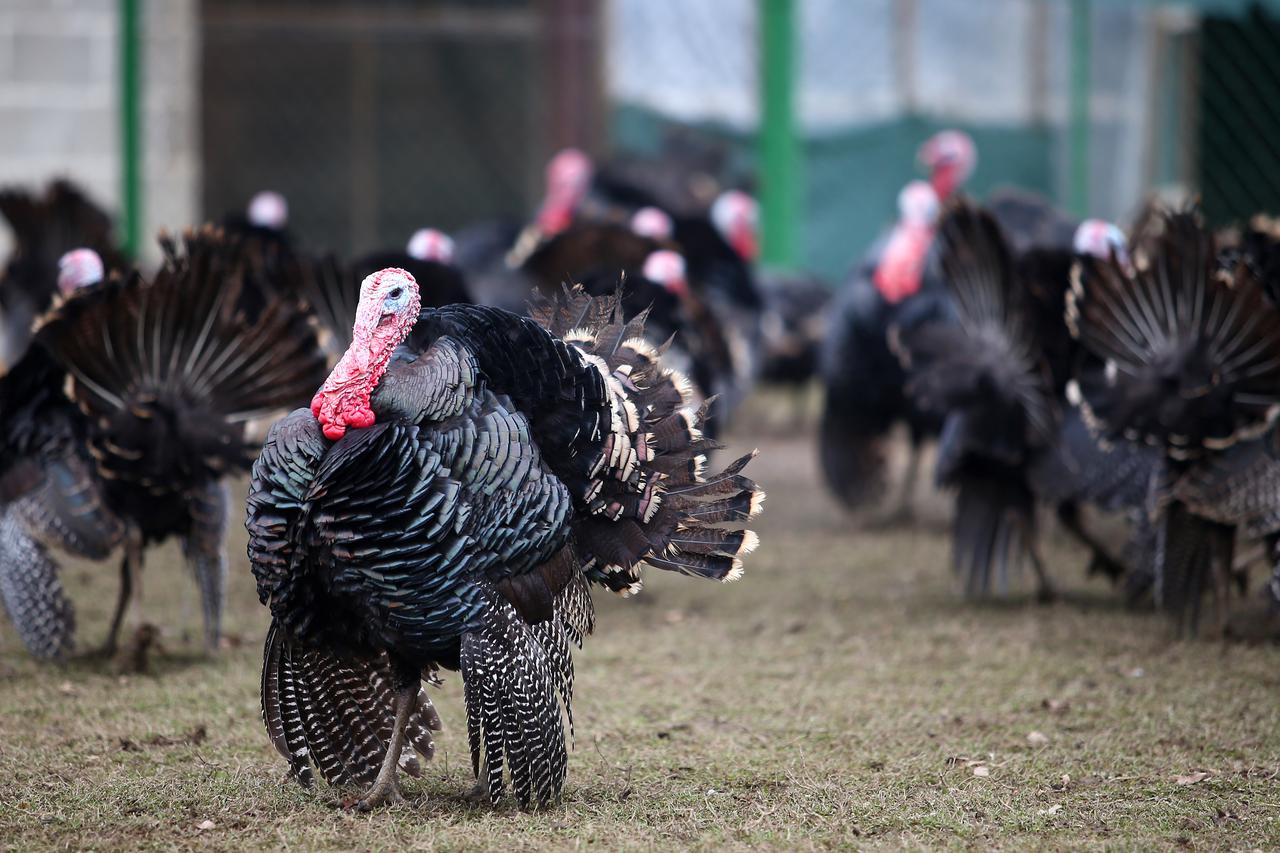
x=263 y=225
x=460 y=479
x=492 y=254
x=794 y=325
x=863 y=383
x=568 y=180
x=997 y=372
x=266 y=247
x=120 y=425
x=895 y=285
x=45 y=228
x=1183 y=355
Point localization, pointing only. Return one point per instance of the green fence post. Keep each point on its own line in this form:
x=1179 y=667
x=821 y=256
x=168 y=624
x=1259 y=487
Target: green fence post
x=1081 y=54
x=131 y=124
x=780 y=177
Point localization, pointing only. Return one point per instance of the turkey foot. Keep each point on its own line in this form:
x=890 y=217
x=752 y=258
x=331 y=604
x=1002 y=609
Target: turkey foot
x=383 y=793
x=386 y=790
x=479 y=793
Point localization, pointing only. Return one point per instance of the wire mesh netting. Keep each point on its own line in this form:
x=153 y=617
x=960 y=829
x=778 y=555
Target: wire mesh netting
x=373 y=119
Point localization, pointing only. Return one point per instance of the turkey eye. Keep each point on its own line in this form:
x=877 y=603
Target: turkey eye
x=395 y=294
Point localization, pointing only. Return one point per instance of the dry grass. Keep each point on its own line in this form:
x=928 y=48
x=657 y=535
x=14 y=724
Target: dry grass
x=840 y=695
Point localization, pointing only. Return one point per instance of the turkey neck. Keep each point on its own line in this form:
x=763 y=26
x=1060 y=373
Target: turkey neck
x=343 y=400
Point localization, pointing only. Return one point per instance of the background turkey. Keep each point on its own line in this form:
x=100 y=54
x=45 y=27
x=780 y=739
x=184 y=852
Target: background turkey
x=452 y=511
x=794 y=325
x=45 y=227
x=121 y=424
x=895 y=285
x=863 y=384
x=997 y=372
x=1184 y=354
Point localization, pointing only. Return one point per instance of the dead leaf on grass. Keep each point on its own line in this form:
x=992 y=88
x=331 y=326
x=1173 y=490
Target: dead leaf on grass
x=205 y=825
x=1194 y=777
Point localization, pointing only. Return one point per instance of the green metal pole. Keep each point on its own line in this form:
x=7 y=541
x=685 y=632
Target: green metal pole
x=131 y=124
x=1081 y=54
x=780 y=177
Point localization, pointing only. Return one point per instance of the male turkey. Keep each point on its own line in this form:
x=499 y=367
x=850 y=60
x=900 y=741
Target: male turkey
x=45 y=228
x=895 y=285
x=997 y=371
x=863 y=384
x=1183 y=354
x=460 y=478
x=120 y=424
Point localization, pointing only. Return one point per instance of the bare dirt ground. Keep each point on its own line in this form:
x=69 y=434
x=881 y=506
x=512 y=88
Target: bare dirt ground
x=839 y=695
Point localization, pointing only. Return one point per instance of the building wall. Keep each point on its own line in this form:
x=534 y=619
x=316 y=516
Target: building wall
x=59 y=107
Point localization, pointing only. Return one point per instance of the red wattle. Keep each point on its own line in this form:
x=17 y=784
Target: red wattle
x=901 y=269
x=744 y=243
x=553 y=219
x=945 y=180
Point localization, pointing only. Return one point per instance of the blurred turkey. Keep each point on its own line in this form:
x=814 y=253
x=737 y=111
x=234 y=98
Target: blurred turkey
x=794 y=325
x=997 y=372
x=684 y=178
x=121 y=423
x=262 y=227
x=462 y=477
x=492 y=254
x=45 y=227
x=1183 y=354
x=863 y=383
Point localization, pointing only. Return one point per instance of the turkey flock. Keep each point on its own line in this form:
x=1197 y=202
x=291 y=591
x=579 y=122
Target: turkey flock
x=449 y=446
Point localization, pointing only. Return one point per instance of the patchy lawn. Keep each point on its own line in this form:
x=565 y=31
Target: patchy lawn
x=839 y=695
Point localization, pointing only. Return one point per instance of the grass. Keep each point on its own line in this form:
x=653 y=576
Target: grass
x=840 y=695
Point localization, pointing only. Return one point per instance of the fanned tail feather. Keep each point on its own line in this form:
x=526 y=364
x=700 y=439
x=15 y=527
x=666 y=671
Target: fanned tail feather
x=1186 y=548
x=650 y=488
x=336 y=715
x=1183 y=354
x=173 y=368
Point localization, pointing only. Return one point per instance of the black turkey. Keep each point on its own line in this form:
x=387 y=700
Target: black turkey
x=45 y=228
x=895 y=285
x=998 y=372
x=461 y=478
x=1183 y=355
x=120 y=424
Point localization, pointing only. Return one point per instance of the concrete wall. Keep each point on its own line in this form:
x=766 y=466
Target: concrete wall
x=59 y=102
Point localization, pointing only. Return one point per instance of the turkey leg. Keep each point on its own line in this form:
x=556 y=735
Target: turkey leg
x=130 y=589
x=386 y=790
